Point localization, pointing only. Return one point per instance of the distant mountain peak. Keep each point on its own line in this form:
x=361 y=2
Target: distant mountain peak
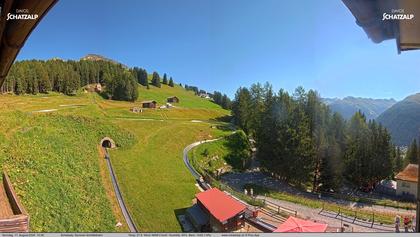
x=97 y=57
x=402 y=120
x=349 y=105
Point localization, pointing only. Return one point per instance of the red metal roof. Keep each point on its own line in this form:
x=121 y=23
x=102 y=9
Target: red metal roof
x=219 y=204
x=293 y=224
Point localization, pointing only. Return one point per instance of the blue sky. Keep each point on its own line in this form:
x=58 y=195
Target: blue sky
x=224 y=44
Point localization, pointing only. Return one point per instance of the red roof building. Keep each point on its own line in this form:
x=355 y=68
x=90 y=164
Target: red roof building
x=293 y=224
x=226 y=214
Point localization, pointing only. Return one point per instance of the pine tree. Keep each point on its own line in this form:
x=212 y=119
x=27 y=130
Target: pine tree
x=412 y=153
x=156 y=79
x=241 y=107
x=165 y=79
x=171 y=82
x=44 y=81
x=398 y=161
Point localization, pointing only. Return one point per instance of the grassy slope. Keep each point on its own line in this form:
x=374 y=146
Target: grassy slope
x=226 y=153
x=59 y=185
x=187 y=98
x=190 y=106
x=154 y=180
x=210 y=163
x=152 y=175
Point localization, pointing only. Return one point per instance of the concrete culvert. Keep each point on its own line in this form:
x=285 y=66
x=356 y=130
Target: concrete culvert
x=107 y=142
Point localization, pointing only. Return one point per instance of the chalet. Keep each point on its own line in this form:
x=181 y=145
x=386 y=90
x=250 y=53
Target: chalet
x=172 y=99
x=98 y=87
x=149 y=104
x=136 y=110
x=217 y=212
x=13 y=217
x=407 y=182
x=204 y=95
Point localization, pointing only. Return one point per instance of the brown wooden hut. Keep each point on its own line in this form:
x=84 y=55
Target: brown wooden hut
x=149 y=104
x=172 y=99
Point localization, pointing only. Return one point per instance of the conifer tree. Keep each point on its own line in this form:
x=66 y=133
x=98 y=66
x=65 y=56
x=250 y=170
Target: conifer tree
x=412 y=153
x=165 y=79
x=156 y=79
x=398 y=160
x=171 y=82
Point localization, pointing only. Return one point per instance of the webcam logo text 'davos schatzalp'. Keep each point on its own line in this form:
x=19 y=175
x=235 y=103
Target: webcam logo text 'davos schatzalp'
x=397 y=14
x=21 y=14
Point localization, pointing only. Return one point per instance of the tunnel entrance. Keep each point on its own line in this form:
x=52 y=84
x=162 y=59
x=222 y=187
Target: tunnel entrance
x=107 y=143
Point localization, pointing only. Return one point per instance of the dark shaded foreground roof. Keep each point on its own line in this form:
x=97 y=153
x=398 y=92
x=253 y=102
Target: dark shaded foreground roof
x=196 y=213
x=15 y=32
x=369 y=16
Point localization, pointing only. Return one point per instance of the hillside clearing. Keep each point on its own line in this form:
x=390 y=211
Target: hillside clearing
x=58 y=172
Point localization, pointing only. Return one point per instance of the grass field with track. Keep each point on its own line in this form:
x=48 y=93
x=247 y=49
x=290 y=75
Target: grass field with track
x=49 y=146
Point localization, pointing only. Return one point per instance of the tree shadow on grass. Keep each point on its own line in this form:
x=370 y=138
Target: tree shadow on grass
x=224 y=119
x=180 y=212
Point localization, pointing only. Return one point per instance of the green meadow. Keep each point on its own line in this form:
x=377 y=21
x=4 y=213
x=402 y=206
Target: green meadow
x=49 y=146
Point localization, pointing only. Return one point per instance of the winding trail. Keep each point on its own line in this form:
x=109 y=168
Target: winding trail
x=185 y=156
x=126 y=214
x=311 y=213
x=197 y=176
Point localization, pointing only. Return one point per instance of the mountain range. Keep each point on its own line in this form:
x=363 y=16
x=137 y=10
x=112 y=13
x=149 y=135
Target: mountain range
x=349 y=105
x=403 y=120
x=97 y=57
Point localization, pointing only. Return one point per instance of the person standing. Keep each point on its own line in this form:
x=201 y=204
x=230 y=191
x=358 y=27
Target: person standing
x=413 y=223
x=406 y=223
x=397 y=223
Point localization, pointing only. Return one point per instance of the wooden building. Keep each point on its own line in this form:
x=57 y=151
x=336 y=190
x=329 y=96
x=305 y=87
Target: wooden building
x=136 y=110
x=225 y=214
x=95 y=87
x=13 y=217
x=407 y=182
x=172 y=99
x=149 y=104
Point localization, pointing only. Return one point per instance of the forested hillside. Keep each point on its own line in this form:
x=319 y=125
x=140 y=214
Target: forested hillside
x=402 y=120
x=38 y=76
x=318 y=146
x=67 y=77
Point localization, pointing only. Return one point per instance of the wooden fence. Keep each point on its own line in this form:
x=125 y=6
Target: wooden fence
x=279 y=209
x=19 y=221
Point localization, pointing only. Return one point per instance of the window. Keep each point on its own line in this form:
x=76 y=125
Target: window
x=405 y=185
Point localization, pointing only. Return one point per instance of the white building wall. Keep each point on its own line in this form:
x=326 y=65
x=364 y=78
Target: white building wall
x=406 y=187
